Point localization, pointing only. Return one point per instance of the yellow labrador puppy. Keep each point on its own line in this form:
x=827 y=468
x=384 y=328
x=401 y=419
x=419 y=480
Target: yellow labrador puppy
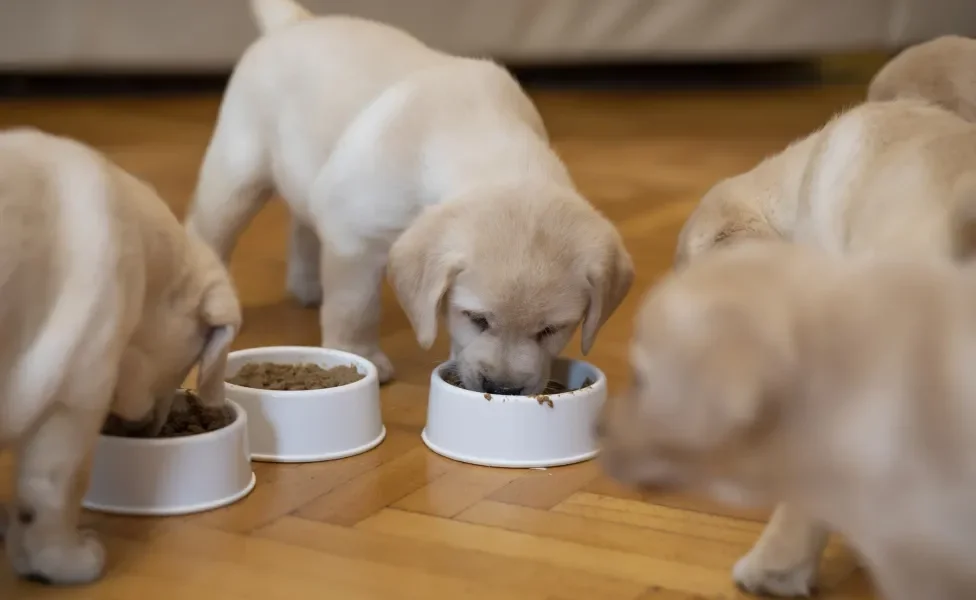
x=878 y=177
x=775 y=372
x=105 y=306
x=437 y=169
x=883 y=178
x=942 y=71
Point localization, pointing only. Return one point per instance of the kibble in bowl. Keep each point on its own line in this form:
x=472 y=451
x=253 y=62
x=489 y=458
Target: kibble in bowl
x=294 y=377
x=187 y=417
x=305 y=403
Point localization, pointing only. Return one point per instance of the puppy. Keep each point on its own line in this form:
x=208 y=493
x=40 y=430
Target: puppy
x=105 y=306
x=942 y=71
x=883 y=178
x=773 y=372
x=878 y=177
x=397 y=158
x=759 y=204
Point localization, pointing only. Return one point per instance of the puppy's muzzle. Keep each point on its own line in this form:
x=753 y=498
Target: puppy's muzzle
x=494 y=387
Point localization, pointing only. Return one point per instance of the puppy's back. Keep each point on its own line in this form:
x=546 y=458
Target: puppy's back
x=57 y=258
x=883 y=178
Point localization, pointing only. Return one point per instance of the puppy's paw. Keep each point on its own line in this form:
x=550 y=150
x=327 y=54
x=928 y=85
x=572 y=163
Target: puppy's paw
x=765 y=576
x=304 y=287
x=76 y=560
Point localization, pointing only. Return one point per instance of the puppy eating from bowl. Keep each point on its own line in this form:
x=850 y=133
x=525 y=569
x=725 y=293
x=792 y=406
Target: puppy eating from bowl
x=435 y=170
x=106 y=305
x=769 y=372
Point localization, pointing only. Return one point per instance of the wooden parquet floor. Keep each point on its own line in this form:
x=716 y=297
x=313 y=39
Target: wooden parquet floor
x=399 y=521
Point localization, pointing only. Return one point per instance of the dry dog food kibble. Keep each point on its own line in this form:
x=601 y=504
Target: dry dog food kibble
x=294 y=377
x=191 y=418
x=196 y=419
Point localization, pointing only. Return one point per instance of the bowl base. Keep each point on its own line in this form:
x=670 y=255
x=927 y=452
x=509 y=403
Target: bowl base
x=277 y=458
x=508 y=464
x=172 y=511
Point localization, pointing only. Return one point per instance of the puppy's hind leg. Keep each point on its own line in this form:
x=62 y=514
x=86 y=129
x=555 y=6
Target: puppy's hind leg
x=234 y=184
x=785 y=560
x=304 y=251
x=43 y=541
x=351 y=305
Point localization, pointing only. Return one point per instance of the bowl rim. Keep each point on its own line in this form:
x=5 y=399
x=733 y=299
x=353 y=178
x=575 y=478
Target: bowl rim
x=371 y=378
x=594 y=388
x=239 y=422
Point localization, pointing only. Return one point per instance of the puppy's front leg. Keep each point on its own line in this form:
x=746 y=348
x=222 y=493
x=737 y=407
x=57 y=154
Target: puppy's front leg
x=43 y=542
x=785 y=560
x=351 y=309
x=304 y=251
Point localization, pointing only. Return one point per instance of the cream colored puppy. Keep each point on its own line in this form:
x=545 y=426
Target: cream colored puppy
x=105 y=306
x=942 y=71
x=883 y=178
x=395 y=157
x=773 y=372
x=876 y=178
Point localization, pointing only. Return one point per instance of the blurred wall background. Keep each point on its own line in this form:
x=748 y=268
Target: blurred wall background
x=188 y=36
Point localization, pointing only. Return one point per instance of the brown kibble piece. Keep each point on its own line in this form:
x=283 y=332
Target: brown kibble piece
x=294 y=377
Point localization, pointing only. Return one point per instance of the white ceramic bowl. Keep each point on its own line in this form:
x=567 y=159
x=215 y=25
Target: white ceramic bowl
x=171 y=476
x=309 y=425
x=517 y=431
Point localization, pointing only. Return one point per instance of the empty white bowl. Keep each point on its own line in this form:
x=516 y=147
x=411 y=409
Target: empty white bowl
x=171 y=476
x=517 y=431
x=309 y=425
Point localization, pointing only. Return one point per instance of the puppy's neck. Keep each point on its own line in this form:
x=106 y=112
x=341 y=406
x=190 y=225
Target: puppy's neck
x=518 y=164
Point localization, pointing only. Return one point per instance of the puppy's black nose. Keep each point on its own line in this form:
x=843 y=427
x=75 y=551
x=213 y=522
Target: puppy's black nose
x=493 y=387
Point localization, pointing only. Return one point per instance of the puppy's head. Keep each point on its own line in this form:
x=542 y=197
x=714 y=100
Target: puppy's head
x=192 y=323
x=515 y=275
x=710 y=362
x=939 y=71
x=721 y=219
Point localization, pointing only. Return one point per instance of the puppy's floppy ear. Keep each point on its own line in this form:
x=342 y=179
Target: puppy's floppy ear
x=220 y=311
x=610 y=273
x=421 y=268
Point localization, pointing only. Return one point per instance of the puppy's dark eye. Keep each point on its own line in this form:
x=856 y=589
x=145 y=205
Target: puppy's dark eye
x=479 y=321
x=548 y=331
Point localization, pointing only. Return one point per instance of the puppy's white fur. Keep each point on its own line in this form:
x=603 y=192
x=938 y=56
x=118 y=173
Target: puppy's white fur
x=842 y=386
x=896 y=177
x=105 y=306
x=369 y=134
x=940 y=71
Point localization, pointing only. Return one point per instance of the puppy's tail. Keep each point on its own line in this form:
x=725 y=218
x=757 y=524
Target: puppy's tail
x=272 y=15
